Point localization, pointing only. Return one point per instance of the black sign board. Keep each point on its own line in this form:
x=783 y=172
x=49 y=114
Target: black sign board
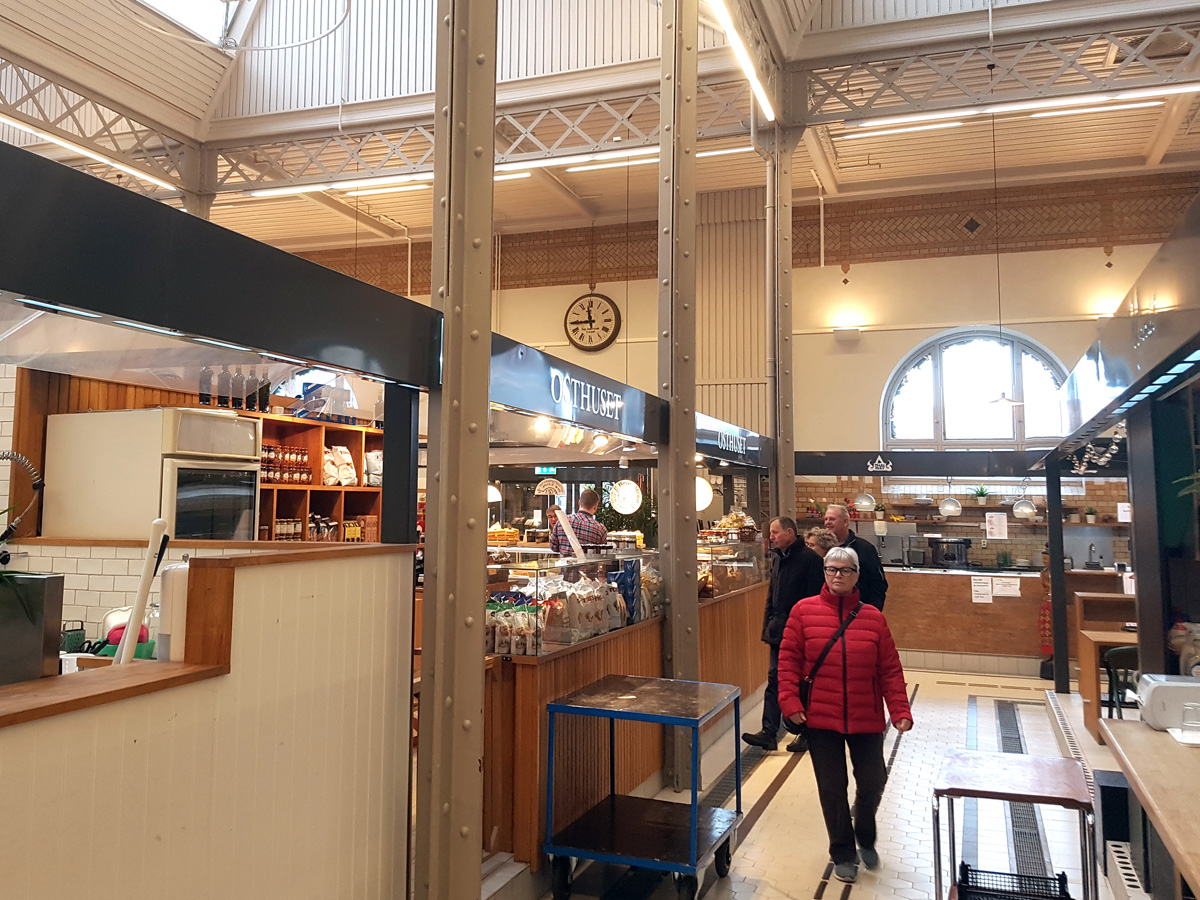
x=920 y=463
x=720 y=440
x=532 y=381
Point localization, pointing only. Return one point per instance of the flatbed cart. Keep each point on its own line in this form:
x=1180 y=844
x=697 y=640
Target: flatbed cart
x=641 y=831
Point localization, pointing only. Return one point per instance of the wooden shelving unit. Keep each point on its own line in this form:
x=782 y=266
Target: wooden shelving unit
x=297 y=501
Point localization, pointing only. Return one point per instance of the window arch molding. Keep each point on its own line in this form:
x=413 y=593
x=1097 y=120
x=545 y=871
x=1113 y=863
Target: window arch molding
x=914 y=410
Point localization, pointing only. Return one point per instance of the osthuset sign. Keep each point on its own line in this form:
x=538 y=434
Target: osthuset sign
x=571 y=394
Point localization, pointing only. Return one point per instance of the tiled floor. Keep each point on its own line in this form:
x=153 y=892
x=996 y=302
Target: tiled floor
x=783 y=854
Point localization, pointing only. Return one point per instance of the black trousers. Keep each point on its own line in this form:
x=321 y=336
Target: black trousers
x=827 y=750
x=772 y=717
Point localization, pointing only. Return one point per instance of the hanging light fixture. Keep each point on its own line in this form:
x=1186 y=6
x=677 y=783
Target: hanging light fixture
x=1024 y=508
x=1003 y=399
x=864 y=502
x=949 y=506
x=494 y=495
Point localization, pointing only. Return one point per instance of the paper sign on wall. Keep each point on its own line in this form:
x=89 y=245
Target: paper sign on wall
x=981 y=589
x=1006 y=586
x=880 y=527
x=1124 y=512
x=997 y=526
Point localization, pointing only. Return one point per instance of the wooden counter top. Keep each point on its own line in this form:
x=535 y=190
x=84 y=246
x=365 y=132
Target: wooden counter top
x=209 y=638
x=203 y=545
x=1161 y=772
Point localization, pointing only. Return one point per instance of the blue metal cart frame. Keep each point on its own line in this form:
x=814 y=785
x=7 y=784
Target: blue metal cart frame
x=640 y=831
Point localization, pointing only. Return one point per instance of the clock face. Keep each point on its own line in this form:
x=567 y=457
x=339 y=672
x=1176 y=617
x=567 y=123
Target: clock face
x=592 y=322
x=625 y=497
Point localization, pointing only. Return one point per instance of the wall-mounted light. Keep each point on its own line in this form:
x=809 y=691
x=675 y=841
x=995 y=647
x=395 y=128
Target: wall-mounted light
x=847 y=335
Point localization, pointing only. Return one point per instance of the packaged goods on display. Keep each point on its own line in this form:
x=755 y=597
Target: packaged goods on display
x=338 y=467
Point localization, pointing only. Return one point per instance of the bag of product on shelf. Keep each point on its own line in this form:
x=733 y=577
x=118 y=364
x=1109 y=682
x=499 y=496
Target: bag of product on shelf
x=329 y=469
x=347 y=476
x=373 y=468
x=614 y=607
x=504 y=632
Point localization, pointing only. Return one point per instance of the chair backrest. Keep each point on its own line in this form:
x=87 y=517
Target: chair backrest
x=1122 y=658
x=1120 y=663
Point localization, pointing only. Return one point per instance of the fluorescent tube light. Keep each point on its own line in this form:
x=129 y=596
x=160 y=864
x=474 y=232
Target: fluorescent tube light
x=1112 y=107
x=574 y=159
x=154 y=328
x=1165 y=379
x=1195 y=357
x=90 y=154
x=285 y=359
x=614 y=165
x=743 y=58
x=703 y=154
x=1048 y=103
x=397 y=189
x=1168 y=91
x=1179 y=369
x=919 y=117
x=63 y=309
x=224 y=344
x=512 y=176
x=374 y=182
x=1151 y=388
x=866 y=134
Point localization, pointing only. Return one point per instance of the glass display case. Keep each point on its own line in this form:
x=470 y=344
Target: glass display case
x=545 y=602
x=725 y=567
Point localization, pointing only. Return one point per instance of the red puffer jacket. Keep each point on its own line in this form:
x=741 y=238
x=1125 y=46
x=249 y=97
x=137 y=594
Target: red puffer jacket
x=860 y=672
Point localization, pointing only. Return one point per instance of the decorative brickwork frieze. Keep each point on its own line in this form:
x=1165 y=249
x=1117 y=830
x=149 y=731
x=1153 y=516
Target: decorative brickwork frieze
x=1099 y=213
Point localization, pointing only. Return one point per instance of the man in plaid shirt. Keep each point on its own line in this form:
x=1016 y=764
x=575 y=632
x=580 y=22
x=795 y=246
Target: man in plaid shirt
x=583 y=522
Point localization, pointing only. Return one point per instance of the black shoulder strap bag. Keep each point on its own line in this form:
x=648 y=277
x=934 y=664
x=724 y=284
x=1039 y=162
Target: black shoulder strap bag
x=806 y=683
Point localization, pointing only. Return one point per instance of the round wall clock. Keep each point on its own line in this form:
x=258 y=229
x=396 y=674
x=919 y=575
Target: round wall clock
x=592 y=322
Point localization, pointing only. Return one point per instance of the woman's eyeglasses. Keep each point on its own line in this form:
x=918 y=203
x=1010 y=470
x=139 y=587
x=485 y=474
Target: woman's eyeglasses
x=839 y=570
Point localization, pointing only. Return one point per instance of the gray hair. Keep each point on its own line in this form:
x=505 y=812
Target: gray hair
x=842 y=555
x=825 y=538
x=841 y=510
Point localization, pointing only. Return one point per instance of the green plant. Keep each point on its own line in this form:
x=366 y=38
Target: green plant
x=1193 y=484
x=643 y=519
x=981 y=491
x=1090 y=511
x=1004 y=559
x=879 y=507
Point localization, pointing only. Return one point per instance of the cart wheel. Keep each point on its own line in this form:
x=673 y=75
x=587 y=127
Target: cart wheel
x=687 y=887
x=560 y=877
x=724 y=857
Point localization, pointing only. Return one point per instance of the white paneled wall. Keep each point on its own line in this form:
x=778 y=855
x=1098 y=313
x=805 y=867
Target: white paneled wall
x=286 y=778
x=386 y=49
x=8 y=409
x=731 y=349
x=835 y=14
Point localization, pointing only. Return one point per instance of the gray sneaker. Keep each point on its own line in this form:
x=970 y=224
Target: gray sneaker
x=847 y=871
x=870 y=857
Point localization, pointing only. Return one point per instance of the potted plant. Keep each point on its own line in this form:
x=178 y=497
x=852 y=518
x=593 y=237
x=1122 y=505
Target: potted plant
x=981 y=495
x=1090 y=515
x=879 y=510
x=1004 y=559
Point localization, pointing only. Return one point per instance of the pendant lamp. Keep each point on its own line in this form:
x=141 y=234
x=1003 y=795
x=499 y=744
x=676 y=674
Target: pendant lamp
x=864 y=502
x=1003 y=399
x=1024 y=508
x=949 y=506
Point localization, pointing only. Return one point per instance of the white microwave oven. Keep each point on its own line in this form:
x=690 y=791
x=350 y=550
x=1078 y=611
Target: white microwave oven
x=110 y=474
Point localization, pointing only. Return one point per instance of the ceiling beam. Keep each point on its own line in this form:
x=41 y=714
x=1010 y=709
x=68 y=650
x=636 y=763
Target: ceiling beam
x=823 y=164
x=1173 y=114
x=359 y=216
x=242 y=25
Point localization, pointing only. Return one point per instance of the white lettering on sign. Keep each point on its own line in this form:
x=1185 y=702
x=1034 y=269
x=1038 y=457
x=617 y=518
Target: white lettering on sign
x=734 y=443
x=879 y=464
x=576 y=394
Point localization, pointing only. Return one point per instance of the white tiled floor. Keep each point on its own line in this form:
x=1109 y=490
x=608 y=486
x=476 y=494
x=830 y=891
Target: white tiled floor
x=784 y=854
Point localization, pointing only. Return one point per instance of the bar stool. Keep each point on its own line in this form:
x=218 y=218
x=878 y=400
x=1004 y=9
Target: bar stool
x=1121 y=664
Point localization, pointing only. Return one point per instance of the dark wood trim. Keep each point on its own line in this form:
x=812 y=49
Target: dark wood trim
x=711 y=600
x=310 y=552
x=32 y=700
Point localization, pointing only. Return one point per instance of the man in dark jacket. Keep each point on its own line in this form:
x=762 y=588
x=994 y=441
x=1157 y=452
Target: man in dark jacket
x=796 y=573
x=872 y=583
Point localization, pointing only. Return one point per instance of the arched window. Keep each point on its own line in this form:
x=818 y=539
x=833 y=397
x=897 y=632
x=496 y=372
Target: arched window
x=938 y=397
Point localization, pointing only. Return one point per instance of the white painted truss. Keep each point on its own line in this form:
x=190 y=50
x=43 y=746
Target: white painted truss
x=1098 y=63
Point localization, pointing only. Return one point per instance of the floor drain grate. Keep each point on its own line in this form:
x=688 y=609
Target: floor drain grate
x=723 y=788
x=1027 y=844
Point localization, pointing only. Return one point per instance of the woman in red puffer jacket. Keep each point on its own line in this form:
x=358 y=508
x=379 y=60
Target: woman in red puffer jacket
x=845 y=710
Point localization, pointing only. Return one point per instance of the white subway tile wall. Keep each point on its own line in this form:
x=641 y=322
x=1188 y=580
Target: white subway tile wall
x=96 y=579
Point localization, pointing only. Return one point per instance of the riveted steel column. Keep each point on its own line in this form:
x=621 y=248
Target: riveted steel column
x=450 y=755
x=677 y=358
x=780 y=146
x=198 y=170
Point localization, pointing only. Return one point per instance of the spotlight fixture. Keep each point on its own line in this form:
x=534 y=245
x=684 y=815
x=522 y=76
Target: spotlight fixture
x=541 y=424
x=600 y=440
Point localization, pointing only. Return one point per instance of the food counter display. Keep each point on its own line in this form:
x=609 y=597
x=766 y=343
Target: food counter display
x=725 y=567
x=540 y=603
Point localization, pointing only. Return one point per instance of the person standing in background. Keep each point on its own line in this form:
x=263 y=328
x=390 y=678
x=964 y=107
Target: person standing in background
x=872 y=583
x=820 y=540
x=583 y=523
x=795 y=574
